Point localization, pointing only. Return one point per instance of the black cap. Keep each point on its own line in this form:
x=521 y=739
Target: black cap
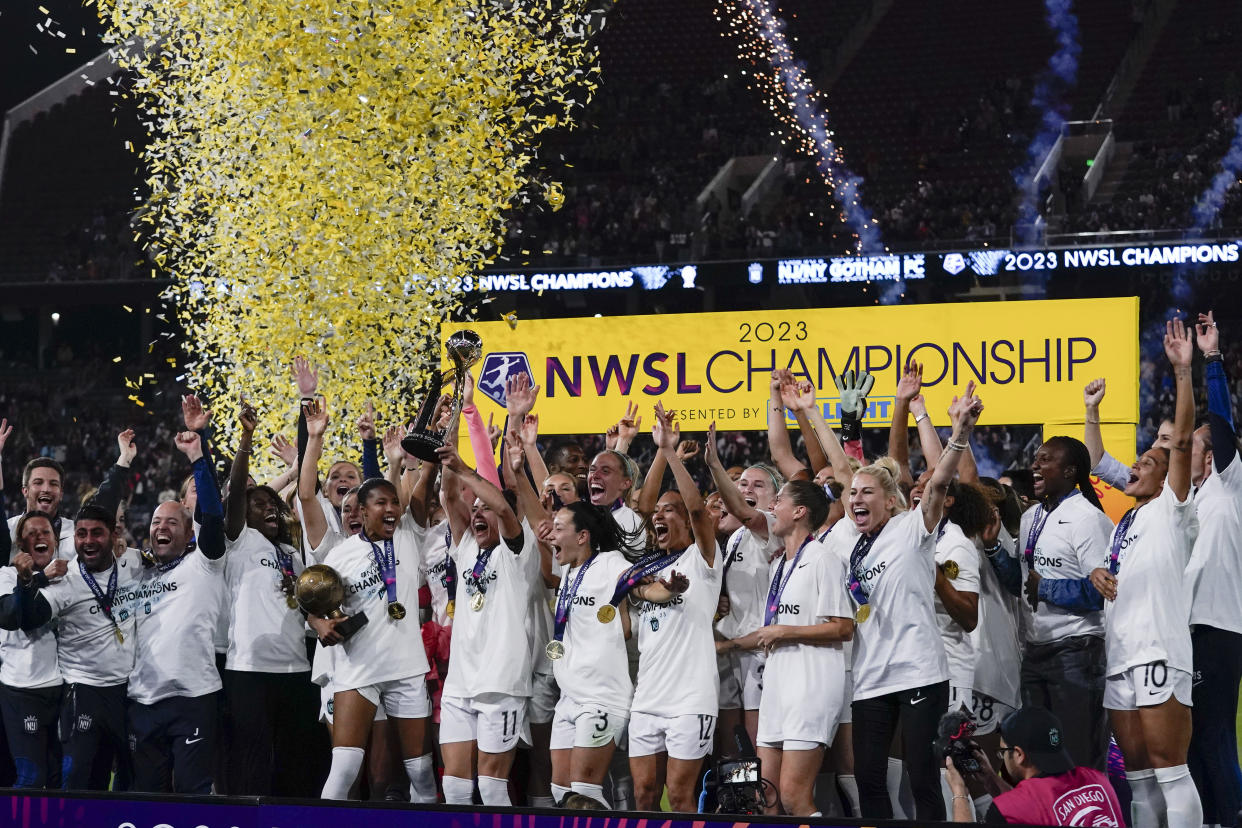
x=1040 y=735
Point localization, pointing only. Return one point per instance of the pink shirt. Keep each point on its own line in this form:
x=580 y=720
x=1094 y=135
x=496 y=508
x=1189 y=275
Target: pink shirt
x=1082 y=796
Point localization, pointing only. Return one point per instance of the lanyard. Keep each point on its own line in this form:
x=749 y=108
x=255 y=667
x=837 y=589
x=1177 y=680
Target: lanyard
x=777 y=589
x=1037 y=528
x=1119 y=537
x=646 y=566
x=733 y=547
x=387 y=563
x=105 y=600
x=565 y=601
x=853 y=582
x=475 y=582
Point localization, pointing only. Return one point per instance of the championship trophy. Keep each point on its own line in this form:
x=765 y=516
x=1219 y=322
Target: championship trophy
x=464 y=349
x=320 y=592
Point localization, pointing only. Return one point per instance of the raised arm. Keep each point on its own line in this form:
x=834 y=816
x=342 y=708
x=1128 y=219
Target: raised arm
x=1220 y=400
x=483 y=489
x=1092 y=396
x=528 y=432
x=650 y=493
x=748 y=515
x=628 y=427
x=516 y=479
x=370 y=444
x=306 y=377
x=480 y=440
x=210 y=538
x=1180 y=350
x=802 y=397
x=315 y=416
x=520 y=397
x=965 y=411
x=394 y=456
x=666 y=433
x=779 y=447
x=235 y=508
x=899 y=429
x=929 y=440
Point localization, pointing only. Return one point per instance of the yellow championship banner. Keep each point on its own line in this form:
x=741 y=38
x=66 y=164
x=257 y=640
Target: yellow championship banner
x=1030 y=359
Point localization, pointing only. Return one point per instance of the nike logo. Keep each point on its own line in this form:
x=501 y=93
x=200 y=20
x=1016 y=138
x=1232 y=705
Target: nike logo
x=189 y=741
x=919 y=699
x=1061 y=522
x=803 y=566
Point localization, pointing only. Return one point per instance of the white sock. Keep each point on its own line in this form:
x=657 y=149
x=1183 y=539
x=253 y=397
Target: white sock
x=894 y=788
x=1147 y=803
x=906 y=792
x=596 y=792
x=849 y=785
x=457 y=791
x=1181 y=798
x=542 y=801
x=983 y=802
x=422 y=774
x=346 y=762
x=559 y=794
x=494 y=791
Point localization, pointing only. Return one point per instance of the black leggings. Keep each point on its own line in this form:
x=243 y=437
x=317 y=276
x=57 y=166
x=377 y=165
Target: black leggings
x=276 y=745
x=875 y=720
x=1214 y=742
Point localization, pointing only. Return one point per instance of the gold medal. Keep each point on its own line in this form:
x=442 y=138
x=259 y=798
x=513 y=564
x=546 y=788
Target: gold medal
x=451 y=608
x=291 y=602
x=864 y=612
x=120 y=636
x=396 y=611
x=606 y=613
x=555 y=649
x=950 y=569
x=476 y=601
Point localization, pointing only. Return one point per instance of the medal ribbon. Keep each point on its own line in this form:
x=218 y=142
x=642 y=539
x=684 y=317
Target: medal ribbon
x=285 y=560
x=565 y=601
x=1119 y=537
x=450 y=568
x=105 y=600
x=387 y=563
x=853 y=582
x=732 y=555
x=646 y=565
x=474 y=584
x=777 y=589
x=1037 y=529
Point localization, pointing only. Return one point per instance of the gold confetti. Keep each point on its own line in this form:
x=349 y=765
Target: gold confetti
x=323 y=176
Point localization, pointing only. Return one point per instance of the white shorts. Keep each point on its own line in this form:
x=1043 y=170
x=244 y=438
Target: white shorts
x=988 y=713
x=404 y=698
x=1146 y=685
x=585 y=725
x=493 y=720
x=741 y=679
x=541 y=706
x=685 y=737
x=847 y=710
x=326 y=704
x=794 y=712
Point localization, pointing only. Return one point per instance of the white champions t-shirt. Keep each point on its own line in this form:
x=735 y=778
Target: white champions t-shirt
x=1150 y=620
x=898 y=647
x=176 y=622
x=677 y=673
x=958 y=647
x=746 y=581
x=1215 y=569
x=65 y=549
x=595 y=669
x=490 y=650
x=384 y=649
x=86 y=640
x=997 y=643
x=27 y=659
x=436 y=544
x=814 y=593
x=539 y=627
x=266 y=635
x=1073 y=542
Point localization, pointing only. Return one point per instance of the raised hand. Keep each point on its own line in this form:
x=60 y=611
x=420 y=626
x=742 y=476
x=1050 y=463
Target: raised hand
x=247 y=415
x=192 y=412
x=391 y=443
x=366 y=423
x=316 y=412
x=918 y=406
x=1093 y=393
x=1207 y=335
x=56 y=569
x=520 y=396
x=965 y=410
x=515 y=455
x=448 y=458
x=664 y=431
x=911 y=382
x=283 y=450
x=467 y=392
x=797 y=396
x=444 y=412
x=854 y=389
x=611 y=437
x=528 y=429
x=189 y=444
x=493 y=432
x=23 y=562
x=687 y=450
x=5 y=431
x=1177 y=345
x=128 y=449
x=306 y=376
x=629 y=425
x=710 y=455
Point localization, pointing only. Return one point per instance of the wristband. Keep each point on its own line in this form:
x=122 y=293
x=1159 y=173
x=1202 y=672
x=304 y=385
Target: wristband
x=1093 y=422
x=953 y=445
x=851 y=427
x=1213 y=356
x=920 y=418
x=993 y=549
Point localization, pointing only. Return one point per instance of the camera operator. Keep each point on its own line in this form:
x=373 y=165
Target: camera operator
x=1049 y=789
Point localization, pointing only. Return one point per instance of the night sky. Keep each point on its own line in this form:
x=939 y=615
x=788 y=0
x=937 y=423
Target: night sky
x=22 y=72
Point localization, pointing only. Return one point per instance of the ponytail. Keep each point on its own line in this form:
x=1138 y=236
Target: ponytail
x=1077 y=455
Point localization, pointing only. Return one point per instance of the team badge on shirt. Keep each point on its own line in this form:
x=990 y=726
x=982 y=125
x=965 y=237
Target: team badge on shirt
x=32 y=724
x=84 y=722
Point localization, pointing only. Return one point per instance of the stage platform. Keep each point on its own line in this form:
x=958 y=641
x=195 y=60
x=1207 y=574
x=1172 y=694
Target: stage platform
x=57 y=810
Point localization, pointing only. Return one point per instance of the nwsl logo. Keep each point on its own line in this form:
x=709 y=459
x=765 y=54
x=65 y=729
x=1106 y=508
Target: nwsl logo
x=496 y=370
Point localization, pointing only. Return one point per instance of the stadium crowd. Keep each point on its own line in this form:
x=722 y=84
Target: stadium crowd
x=565 y=628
